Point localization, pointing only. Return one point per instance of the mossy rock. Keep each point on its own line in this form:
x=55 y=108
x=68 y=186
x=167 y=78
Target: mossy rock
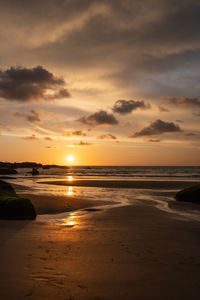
x=13 y=207
x=191 y=194
x=7 y=171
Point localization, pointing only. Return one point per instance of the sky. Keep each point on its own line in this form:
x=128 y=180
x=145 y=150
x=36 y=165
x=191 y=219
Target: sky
x=112 y=82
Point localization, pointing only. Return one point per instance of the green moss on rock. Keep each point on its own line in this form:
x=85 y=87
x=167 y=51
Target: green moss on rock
x=13 y=207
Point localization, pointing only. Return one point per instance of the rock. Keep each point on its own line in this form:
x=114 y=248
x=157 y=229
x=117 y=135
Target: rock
x=6 y=188
x=35 y=171
x=12 y=206
x=7 y=171
x=46 y=167
x=191 y=194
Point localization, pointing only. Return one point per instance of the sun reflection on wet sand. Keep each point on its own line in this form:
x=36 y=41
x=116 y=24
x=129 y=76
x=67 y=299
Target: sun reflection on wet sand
x=70 y=221
x=70 y=178
x=70 y=191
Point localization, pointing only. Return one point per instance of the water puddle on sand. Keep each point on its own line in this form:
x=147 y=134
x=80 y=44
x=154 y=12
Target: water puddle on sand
x=164 y=201
x=161 y=199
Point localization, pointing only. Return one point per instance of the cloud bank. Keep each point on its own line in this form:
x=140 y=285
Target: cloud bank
x=31 y=84
x=33 y=116
x=127 y=106
x=184 y=101
x=99 y=118
x=158 y=127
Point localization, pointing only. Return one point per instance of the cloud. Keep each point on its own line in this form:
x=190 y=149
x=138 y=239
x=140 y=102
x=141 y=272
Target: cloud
x=99 y=118
x=81 y=143
x=33 y=116
x=32 y=137
x=50 y=147
x=26 y=84
x=188 y=135
x=158 y=127
x=184 y=101
x=127 y=106
x=74 y=133
x=154 y=140
x=47 y=138
x=162 y=108
x=107 y=136
x=196 y=114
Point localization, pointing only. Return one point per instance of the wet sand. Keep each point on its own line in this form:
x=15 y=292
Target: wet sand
x=134 y=252
x=137 y=184
x=54 y=204
x=130 y=252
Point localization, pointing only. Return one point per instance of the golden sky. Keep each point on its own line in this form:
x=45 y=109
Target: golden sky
x=109 y=82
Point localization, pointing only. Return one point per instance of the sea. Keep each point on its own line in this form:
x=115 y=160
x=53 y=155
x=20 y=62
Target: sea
x=119 y=172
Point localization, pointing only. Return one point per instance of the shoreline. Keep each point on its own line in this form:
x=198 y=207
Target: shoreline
x=129 y=184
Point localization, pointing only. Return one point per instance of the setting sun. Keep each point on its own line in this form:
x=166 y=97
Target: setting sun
x=70 y=158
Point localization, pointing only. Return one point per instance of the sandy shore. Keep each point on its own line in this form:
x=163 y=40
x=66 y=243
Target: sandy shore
x=134 y=252
x=54 y=204
x=137 y=184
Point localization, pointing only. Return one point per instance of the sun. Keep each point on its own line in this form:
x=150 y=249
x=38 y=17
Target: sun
x=70 y=158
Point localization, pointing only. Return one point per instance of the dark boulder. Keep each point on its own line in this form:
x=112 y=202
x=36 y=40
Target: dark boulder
x=12 y=206
x=7 y=171
x=35 y=171
x=6 y=188
x=191 y=194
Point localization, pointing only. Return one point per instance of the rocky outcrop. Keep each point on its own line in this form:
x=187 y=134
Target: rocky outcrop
x=191 y=194
x=14 y=207
x=7 y=171
x=35 y=171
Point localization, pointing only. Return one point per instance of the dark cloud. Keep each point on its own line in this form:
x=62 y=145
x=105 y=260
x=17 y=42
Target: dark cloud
x=184 y=101
x=99 y=118
x=196 y=114
x=154 y=140
x=162 y=108
x=47 y=138
x=188 y=135
x=81 y=143
x=127 y=106
x=74 y=133
x=50 y=147
x=145 y=38
x=107 y=136
x=33 y=116
x=32 y=137
x=26 y=84
x=158 y=127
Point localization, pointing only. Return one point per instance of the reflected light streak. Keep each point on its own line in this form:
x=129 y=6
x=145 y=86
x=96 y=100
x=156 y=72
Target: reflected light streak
x=70 y=178
x=70 y=191
x=71 y=221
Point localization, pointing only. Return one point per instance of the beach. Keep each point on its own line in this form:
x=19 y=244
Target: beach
x=86 y=249
x=126 y=253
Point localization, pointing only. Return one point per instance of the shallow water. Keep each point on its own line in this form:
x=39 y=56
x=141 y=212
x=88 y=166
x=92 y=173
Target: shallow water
x=162 y=199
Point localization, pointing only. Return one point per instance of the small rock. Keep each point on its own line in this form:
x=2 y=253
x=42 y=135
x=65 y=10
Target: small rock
x=35 y=171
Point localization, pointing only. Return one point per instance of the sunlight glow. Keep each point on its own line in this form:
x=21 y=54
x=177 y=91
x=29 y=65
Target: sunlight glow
x=70 y=158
